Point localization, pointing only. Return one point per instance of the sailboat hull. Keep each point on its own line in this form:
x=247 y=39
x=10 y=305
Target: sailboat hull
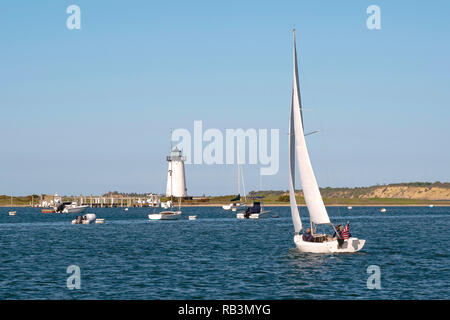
x=165 y=215
x=350 y=245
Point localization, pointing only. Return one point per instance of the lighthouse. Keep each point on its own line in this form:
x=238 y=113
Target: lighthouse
x=176 y=180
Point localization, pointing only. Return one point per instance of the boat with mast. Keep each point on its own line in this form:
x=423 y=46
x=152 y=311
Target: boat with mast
x=319 y=243
x=236 y=201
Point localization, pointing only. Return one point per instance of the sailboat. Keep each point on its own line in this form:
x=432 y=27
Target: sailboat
x=236 y=201
x=321 y=243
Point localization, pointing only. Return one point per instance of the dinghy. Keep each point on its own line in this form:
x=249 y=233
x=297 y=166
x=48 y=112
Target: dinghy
x=321 y=243
x=12 y=213
x=85 y=219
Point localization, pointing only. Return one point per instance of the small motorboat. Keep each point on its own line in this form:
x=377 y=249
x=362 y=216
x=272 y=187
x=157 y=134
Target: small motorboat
x=100 y=221
x=431 y=206
x=165 y=215
x=192 y=217
x=254 y=212
x=126 y=209
x=74 y=208
x=70 y=207
x=85 y=219
x=383 y=210
x=349 y=208
x=12 y=213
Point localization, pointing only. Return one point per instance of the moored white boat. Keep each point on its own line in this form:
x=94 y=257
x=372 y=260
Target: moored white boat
x=165 y=215
x=261 y=215
x=318 y=243
x=69 y=207
x=74 y=208
x=12 y=213
x=383 y=210
x=193 y=217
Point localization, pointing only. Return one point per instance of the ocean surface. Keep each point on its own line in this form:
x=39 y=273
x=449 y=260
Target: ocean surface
x=220 y=257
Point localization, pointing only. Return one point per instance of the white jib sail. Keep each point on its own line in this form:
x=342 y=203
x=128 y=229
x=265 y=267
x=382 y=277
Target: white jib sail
x=313 y=199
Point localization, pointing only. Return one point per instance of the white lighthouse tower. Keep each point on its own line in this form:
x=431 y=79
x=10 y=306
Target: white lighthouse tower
x=176 y=180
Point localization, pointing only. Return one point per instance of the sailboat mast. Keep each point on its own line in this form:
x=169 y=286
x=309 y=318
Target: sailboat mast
x=171 y=169
x=238 y=170
x=316 y=208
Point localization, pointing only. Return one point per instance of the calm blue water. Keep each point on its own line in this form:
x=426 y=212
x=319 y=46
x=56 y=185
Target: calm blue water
x=220 y=257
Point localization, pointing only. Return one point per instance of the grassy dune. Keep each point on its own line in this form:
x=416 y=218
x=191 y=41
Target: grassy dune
x=415 y=193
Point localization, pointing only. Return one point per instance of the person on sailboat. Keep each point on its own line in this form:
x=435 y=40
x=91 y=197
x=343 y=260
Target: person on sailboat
x=339 y=236
x=308 y=236
x=338 y=233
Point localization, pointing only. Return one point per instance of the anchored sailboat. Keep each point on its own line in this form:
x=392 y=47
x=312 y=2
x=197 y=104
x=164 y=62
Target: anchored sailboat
x=236 y=201
x=319 y=243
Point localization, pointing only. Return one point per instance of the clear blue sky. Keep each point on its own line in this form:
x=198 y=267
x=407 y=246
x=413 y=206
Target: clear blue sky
x=89 y=111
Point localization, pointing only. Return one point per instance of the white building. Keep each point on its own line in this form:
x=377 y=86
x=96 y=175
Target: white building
x=176 y=180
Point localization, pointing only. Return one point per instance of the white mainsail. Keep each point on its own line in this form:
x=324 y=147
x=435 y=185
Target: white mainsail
x=311 y=193
x=294 y=209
